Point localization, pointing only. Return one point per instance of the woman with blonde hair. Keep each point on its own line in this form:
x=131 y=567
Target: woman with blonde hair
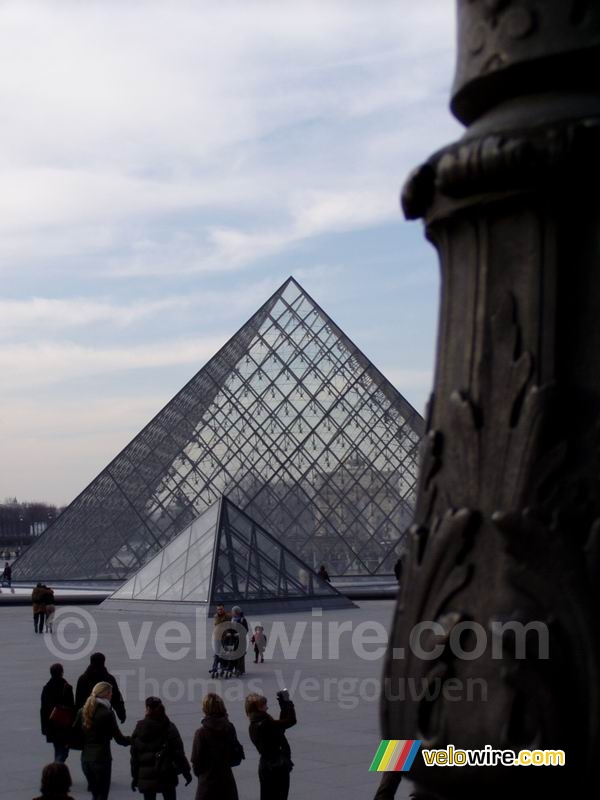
x=97 y=724
x=215 y=751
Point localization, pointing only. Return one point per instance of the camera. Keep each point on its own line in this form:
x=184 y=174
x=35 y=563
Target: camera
x=283 y=695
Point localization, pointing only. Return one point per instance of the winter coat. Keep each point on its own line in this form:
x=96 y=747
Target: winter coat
x=241 y=620
x=57 y=692
x=148 y=739
x=89 y=679
x=38 y=598
x=97 y=738
x=219 y=619
x=213 y=745
x=268 y=734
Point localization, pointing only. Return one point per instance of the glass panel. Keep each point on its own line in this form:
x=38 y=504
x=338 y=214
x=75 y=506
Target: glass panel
x=148 y=592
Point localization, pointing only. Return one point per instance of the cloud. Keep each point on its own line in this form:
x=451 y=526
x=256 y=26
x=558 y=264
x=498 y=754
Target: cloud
x=43 y=316
x=55 y=313
x=223 y=249
x=26 y=365
x=175 y=139
x=152 y=153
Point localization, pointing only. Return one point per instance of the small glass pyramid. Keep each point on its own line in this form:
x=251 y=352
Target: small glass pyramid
x=224 y=556
x=289 y=420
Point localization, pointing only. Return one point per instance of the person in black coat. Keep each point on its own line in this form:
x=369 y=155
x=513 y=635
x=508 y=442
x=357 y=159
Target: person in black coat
x=323 y=574
x=157 y=755
x=215 y=750
x=57 y=692
x=398 y=568
x=97 y=673
x=241 y=645
x=268 y=736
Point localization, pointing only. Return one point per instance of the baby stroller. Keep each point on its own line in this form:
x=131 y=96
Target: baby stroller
x=223 y=665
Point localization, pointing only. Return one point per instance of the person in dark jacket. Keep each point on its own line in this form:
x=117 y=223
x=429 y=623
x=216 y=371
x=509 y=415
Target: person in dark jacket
x=216 y=748
x=323 y=574
x=157 y=755
x=238 y=617
x=56 y=783
x=57 y=692
x=97 y=724
x=398 y=568
x=97 y=673
x=268 y=736
x=7 y=575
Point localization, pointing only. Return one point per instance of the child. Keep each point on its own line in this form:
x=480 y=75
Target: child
x=259 y=640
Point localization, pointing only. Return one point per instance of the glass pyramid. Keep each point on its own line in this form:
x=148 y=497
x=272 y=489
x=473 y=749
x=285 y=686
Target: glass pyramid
x=290 y=421
x=224 y=556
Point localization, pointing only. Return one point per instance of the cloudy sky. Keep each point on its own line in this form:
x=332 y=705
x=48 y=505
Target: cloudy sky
x=165 y=166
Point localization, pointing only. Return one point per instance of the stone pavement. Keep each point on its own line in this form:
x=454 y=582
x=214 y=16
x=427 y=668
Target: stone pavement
x=332 y=745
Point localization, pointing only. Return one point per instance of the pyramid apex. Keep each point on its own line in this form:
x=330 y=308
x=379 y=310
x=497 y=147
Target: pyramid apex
x=290 y=281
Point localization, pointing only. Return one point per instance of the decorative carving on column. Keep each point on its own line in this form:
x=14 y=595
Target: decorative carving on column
x=508 y=518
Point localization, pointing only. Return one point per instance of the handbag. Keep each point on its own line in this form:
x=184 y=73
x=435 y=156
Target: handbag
x=163 y=763
x=236 y=755
x=61 y=715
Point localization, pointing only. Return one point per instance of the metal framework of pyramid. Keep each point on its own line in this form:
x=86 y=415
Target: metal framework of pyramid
x=291 y=422
x=226 y=557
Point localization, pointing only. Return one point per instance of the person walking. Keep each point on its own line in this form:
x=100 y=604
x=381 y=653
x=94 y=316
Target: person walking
x=97 y=724
x=242 y=640
x=157 y=755
x=95 y=673
x=56 y=783
x=268 y=736
x=57 y=712
x=7 y=575
x=215 y=751
x=323 y=574
x=38 y=596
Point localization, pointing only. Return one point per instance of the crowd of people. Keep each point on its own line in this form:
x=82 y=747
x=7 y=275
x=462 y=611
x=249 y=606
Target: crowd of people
x=230 y=643
x=87 y=720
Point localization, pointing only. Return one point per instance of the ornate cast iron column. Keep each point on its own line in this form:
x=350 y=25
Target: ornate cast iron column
x=509 y=506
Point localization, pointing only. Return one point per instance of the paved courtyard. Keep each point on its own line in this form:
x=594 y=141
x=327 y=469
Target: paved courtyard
x=332 y=745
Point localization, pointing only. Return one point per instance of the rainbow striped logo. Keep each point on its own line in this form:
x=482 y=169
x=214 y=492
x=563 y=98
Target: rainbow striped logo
x=395 y=755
